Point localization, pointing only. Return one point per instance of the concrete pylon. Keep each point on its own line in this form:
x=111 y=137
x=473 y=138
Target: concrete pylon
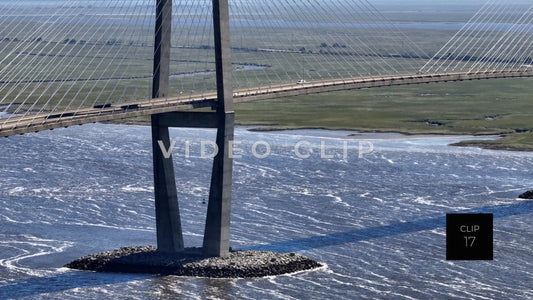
x=168 y=223
x=217 y=225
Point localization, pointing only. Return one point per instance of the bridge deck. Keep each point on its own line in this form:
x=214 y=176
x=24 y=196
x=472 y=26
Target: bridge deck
x=37 y=122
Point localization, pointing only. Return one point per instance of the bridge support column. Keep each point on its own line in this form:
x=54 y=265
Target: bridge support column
x=167 y=214
x=217 y=225
x=168 y=223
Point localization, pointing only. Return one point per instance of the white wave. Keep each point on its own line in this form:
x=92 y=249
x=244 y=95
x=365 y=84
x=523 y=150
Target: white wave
x=390 y=161
x=378 y=199
x=16 y=191
x=506 y=168
x=121 y=227
x=8 y=219
x=323 y=268
x=136 y=189
x=423 y=200
x=338 y=200
x=475 y=167
x=48 y=191
x=30 y=247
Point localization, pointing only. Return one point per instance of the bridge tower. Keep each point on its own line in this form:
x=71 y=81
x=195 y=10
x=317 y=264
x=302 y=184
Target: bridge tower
x=168 y=222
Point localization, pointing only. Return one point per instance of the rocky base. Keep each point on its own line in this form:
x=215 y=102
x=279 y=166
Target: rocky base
x=526 y=195
x=240 y=264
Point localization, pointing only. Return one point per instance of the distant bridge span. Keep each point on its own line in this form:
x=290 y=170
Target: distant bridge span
x=44 y=121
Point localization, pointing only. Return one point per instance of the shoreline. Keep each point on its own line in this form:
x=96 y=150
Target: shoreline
x=489 y=141
x=353 y=131
x=494 y=142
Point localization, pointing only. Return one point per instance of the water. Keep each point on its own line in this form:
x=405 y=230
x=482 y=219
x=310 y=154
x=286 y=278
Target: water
x=238 y=22
x=375 y=222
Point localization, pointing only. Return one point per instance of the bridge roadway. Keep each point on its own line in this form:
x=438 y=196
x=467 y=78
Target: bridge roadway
x=50 y=120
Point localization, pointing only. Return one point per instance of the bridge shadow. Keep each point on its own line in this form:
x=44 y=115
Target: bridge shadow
x=357 y=235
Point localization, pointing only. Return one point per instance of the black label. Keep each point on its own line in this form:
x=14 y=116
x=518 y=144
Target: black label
x=469 y=237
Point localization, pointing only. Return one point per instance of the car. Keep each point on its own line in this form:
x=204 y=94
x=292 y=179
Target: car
x=301 y=81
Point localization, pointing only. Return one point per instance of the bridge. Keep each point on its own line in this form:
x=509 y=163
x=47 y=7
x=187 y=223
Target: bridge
x=61 y=68
x=43 y=121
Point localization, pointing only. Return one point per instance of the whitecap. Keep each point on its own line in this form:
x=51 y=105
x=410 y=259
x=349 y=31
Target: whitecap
x=17 y=190
x=338 y=200
x=422 y=200
x=136 y=189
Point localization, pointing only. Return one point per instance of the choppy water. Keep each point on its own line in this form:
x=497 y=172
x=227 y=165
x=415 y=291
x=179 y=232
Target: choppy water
x=376 y=222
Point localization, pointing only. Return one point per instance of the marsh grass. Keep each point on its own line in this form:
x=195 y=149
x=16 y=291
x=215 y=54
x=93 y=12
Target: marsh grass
x=485 y=107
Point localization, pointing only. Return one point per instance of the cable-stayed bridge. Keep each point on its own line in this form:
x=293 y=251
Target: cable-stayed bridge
x=64 y=63
x=73 y=62
x=42 y=121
